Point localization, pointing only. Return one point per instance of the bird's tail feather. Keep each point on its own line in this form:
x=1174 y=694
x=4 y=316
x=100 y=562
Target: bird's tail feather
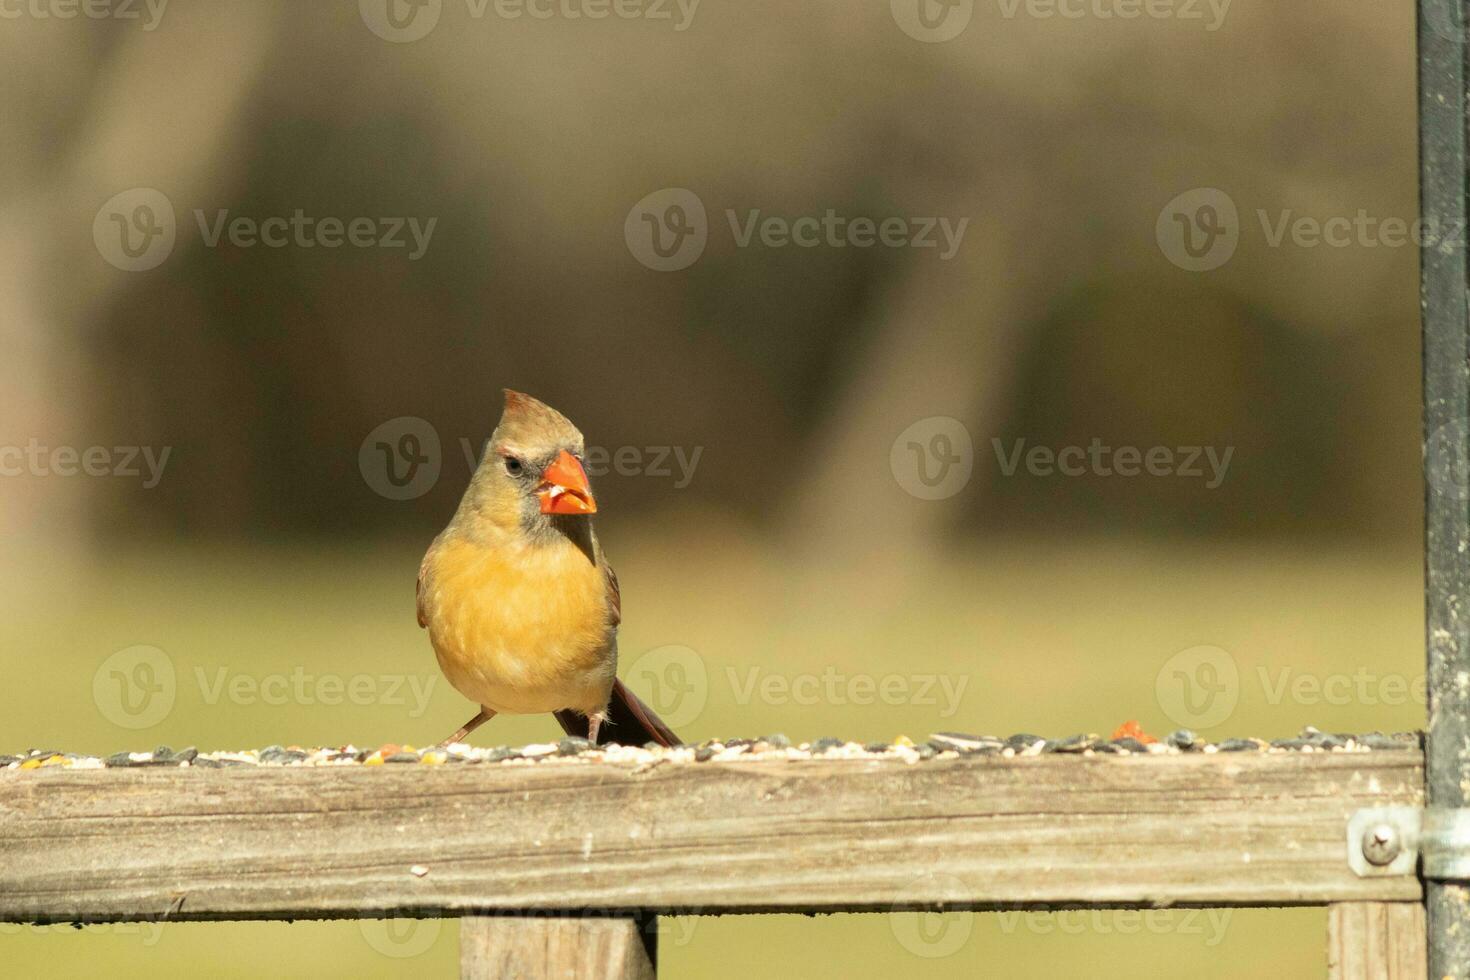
x=629 y=722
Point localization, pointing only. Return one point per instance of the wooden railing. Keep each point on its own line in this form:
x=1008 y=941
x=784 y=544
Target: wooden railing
x=596 y=849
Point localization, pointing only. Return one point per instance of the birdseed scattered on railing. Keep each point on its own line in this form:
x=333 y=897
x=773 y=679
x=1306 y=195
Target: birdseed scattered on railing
x=577 y=751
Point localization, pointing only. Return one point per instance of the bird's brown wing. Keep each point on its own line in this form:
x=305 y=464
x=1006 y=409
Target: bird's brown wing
x=614 y=596
x=629 y=720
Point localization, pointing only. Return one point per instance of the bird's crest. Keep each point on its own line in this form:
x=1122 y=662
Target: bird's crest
x=530 y=422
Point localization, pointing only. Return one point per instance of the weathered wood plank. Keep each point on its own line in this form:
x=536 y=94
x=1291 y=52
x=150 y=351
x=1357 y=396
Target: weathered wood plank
x=552 y=948
x=1376 y=941
x=979 y=832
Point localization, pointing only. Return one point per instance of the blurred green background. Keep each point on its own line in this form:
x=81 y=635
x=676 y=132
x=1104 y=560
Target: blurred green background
x=801 y=545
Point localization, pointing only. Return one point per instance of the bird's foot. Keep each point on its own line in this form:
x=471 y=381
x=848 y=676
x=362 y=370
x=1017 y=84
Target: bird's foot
x=485 y=715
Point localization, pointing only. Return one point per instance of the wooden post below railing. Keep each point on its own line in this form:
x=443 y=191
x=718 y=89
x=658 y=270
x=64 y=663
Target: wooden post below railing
x=552 y=948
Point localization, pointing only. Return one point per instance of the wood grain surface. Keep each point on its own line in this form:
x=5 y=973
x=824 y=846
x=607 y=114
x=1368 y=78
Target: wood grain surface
x=800 y=835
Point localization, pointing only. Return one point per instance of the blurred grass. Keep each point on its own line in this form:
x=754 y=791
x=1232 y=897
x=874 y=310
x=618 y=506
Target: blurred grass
x=1045 y=638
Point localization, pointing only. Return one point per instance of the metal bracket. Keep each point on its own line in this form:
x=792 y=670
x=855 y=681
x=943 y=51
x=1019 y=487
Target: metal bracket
x=1388 y=841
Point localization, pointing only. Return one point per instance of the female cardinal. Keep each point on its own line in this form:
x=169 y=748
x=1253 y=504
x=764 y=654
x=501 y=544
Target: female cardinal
x=521 y=606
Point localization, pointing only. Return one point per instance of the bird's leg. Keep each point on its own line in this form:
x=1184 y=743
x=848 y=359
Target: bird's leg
x=485 y=715
x=594 y=722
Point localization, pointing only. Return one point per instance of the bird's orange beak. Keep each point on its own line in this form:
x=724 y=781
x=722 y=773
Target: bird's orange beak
x=564 y=488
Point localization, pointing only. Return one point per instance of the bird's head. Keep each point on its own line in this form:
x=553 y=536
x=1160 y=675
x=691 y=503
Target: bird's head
x=534 y=460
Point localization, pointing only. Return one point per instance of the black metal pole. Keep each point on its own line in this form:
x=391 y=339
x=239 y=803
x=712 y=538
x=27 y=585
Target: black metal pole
x=1442 y=125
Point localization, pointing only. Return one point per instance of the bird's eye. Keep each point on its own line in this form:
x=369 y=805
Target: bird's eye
x=513 y=466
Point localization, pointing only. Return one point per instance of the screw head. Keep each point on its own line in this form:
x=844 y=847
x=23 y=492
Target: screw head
x=1381 y=844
